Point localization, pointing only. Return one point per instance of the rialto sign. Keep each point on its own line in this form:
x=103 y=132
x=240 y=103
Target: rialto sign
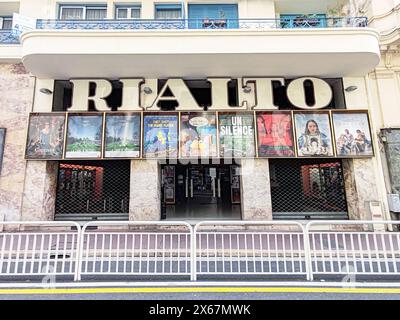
x=253 y=94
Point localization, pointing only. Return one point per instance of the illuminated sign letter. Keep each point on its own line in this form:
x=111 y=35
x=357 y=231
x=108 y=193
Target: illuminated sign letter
x=297 y=96
x=264 y=94
x=131 y=95
x=81 y=95
x=180 y=93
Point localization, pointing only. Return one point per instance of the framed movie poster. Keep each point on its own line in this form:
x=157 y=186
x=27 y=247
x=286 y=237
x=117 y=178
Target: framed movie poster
x=313 y=134
x=45 y=138
x=275 y=134
x=160 y=135
x=236 y=135
x=198 y=135
x=84 y=136
x=2 y=143
x=352 y=134
x=122 y=136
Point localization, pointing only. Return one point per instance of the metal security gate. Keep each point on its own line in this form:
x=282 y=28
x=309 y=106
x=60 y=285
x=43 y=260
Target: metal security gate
x=308 y=189
x=93 y=190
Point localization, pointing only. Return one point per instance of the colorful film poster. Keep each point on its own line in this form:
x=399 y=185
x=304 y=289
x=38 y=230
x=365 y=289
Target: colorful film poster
x=275 y=134
x=236 y=135
x=84 y=136
x=313 y=132
x=160 y=136
x=352 y=134
x=198 y=135
x=122 y=136
x=45 y=137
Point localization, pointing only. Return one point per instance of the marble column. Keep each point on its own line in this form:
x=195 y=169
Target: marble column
x=360 y=187
x=145 y=191
x=256 y=190
x=38 y=203
x=16 y=93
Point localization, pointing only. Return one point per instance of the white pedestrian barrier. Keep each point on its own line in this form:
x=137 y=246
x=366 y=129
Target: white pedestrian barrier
x=218 y=249
x=32 y=248
x=249 y=248
x=362 y=252
x=150 y=248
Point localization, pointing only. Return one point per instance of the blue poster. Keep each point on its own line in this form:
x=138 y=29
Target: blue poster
x=160 y=136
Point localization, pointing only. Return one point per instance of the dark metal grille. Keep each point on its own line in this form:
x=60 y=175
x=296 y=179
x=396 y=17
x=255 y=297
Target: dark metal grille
x=93 y=190
x=307 y=189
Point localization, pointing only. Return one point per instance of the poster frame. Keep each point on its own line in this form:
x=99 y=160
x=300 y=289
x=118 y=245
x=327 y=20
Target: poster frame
x=32 y=114
x=69 y=114
x=355 y=111
x=323 y=111
x=126 y=113
x=288 y=112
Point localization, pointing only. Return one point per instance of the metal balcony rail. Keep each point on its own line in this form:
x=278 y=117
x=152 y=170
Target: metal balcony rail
x=179 y=24
x=7 y=37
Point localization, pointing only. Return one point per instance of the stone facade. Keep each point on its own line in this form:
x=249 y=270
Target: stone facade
x=16 y=96
x=145 y=192
x=256 y=190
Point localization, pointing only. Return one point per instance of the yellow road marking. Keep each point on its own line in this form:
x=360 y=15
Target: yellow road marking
x=201 y=289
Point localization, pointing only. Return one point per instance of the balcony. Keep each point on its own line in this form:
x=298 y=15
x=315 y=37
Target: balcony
x=327 y=47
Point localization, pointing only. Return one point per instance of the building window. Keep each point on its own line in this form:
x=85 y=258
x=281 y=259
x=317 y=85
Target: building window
x=168 y=11
x=6 y=23
x=83 y=12
x=127 y=12
x=213 y=16
x=303 y=21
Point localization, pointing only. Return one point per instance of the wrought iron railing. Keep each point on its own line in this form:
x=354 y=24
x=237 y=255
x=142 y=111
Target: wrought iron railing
x=203 y=23
x=6 y=36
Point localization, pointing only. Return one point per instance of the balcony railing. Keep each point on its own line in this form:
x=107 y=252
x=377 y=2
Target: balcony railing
x=172 y=24
x=6 y=36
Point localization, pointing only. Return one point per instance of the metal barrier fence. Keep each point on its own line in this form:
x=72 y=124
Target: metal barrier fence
x=249 y=252
x=352 y=252
x=36 y=251
x=136 y=251
x=212 y=248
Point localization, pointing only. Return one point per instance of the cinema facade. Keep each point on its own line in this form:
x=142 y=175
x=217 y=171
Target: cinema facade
x=181 y=124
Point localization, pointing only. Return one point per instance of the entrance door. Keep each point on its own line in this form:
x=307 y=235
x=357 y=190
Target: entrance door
x=201 y=192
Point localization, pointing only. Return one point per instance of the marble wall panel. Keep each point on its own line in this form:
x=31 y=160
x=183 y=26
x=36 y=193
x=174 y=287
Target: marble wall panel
x=256 y=190
x=145 y=193
x=16 y=98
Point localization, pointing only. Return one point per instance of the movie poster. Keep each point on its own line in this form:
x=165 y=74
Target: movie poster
x=236 y=135
x=275 y=135
x=198 y=135
x=160 y=136
x=313 y=134
x=45 y=136
x=122 y=136
x=84 y=136
x=352 y=134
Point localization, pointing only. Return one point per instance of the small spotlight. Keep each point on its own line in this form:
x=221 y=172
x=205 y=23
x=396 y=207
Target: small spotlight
x=46 y=91
x=351 y=88
x=247 y=89
x=147 y=90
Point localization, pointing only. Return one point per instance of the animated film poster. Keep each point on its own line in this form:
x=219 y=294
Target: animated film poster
x=313 y=132
x=198 y=135
x=45 y=136
x=160 y=136
x=84 y=136
x=275 y=134
x=122 y=136
x=236 y=134
x=352 y=134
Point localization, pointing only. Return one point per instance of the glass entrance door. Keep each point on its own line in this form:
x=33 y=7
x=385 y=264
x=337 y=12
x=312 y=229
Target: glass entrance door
x=203 y=185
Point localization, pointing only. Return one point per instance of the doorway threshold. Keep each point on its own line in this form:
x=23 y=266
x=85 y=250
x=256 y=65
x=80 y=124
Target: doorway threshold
x=198 y=220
